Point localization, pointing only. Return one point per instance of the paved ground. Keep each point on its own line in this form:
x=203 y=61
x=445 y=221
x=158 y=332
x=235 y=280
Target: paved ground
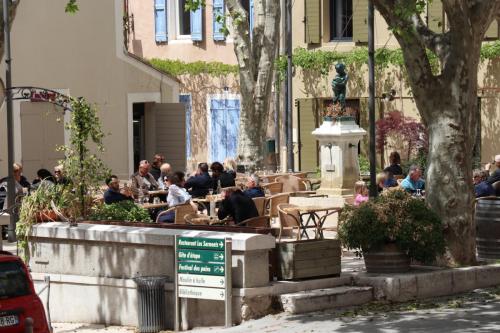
x=478 y=311
x=473 y=312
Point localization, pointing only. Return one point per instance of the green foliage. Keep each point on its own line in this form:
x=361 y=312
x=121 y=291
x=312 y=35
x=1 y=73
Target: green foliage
x=324 y=61
x=178 y=67
x=419 y=160
x=71 y=7
x=39 y=202
x=395 y=217
x=192 y=5
x=490 y=51
x=83 y=167
x=364 y=164
x=120 y=211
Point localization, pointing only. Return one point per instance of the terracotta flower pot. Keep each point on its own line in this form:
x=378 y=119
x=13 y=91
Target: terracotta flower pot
x=387 y=259
x=46 y=215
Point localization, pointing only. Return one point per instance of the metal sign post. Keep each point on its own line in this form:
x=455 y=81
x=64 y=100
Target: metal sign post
x=203 y=271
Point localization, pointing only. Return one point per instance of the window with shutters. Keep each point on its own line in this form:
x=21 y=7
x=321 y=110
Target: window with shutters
x=341 y=19
x=183 y=20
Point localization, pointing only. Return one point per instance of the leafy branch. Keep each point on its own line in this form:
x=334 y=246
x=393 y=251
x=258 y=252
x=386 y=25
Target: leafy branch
x=178 y=67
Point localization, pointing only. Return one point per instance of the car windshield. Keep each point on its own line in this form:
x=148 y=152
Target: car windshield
x=13 y=280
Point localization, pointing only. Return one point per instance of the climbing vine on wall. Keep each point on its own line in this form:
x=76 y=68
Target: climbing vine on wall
x=178 y=67
x=324 y=61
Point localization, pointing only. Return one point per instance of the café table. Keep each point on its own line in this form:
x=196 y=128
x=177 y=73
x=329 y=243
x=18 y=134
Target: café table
x=310 y=215
x=205 y=201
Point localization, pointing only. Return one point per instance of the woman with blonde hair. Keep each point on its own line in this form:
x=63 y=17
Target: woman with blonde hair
x=360 y=192
x=230 y=166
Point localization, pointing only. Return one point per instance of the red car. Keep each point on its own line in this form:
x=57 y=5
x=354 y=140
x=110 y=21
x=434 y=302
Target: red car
x=18 y=299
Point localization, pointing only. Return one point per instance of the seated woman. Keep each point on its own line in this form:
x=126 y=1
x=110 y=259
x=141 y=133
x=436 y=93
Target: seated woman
x=360 y=192
x=381 y=178
x=177 y=195
x=481 y=187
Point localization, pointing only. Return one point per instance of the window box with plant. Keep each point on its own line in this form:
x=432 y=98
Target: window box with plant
x=391 y=230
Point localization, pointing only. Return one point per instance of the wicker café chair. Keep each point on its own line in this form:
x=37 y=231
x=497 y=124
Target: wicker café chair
x=273 y=188
x=180 y=212
x=292 y=183
x=256 y=222
x=260 y=203
x=198 y=219
x=274 y=201
x=289 y=222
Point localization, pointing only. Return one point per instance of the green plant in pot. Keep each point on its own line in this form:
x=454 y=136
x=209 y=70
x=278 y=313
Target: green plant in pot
x=391 y=230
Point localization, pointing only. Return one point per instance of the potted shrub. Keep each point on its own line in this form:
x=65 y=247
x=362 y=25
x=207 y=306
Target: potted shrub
x=391 y=230
x=126 y=211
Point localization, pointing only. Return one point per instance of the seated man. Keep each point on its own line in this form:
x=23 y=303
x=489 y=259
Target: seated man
x=481 y=187
x=113 y=193
x=237 y=205
x=495 y=175
x=199 y=184
x=177 y=195
x=413 y=181
x=220 y=177
x=253 y=189
x=142 y=180
x=155 y=169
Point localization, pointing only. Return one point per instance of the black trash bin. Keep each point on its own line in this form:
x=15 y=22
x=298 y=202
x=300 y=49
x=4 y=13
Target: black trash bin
x=151 y=303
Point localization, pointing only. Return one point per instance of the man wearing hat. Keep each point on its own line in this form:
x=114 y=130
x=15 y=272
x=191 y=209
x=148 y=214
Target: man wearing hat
x=495 y=176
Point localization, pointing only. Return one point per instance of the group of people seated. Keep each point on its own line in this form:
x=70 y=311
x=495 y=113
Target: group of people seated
x=412 y=183
x=158 y=176
x=23 y=186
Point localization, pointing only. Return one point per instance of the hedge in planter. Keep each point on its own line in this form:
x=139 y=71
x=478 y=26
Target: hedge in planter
x=394 y=217
x=120 y=211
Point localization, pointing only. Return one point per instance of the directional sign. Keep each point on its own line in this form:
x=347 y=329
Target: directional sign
x=203 y=293
x=200 y=255
x=203 y=269
x=201 y=280
x=200 y=243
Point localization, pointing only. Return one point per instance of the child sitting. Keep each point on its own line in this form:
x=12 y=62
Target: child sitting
x=360 y=192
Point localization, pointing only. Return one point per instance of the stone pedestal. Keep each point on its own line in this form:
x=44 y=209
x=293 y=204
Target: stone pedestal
x=339 y=141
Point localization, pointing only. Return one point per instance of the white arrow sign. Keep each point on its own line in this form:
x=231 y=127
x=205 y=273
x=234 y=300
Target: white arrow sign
x=203 y=293
x=201 y=280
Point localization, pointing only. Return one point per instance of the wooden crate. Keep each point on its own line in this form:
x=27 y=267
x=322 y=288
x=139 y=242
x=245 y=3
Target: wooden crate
x=308 y=259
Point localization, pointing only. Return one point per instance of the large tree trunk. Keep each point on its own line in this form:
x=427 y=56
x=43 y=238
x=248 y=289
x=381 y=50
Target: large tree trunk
x=256 y=57
x=447 y=102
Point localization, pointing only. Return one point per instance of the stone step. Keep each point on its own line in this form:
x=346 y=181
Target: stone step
x=322 y=299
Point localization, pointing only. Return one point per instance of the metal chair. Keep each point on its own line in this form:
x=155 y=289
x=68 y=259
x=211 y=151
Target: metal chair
x=289 y=221
x=256 y=222
x=273 y=188
x=260 y=204
x=180 y=212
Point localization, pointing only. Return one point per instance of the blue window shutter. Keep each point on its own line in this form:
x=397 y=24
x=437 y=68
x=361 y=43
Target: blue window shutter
x=161 y=21
x=225 y=122
x=250 y=14
x=218 y=11
x=197 y=25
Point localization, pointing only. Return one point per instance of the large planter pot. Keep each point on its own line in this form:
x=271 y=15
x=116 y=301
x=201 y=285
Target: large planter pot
x=308 y=259
x=47 y=215
x=387 y=259
x=488 y=228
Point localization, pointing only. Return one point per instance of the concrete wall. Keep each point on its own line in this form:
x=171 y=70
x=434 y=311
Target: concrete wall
x=83 y=54
x=95 y=264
